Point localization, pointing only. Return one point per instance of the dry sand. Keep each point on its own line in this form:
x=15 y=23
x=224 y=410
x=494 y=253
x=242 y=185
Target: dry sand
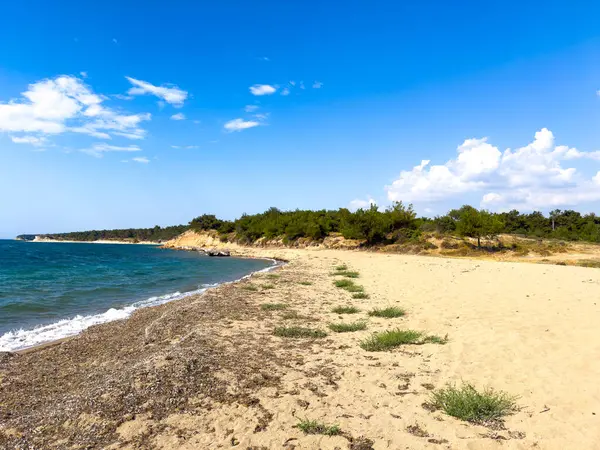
x=206 y=371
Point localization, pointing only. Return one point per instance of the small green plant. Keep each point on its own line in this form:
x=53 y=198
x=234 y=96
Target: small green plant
x=387 y=340
x=348 y=327
x=342 y=267
x=305 y=283
x=467 y=403
x=345 y=310
x=314 y=427
x=250 y=287
x=268 y=286
x=360 y=295
x=298 y=332
x=388 y=313
x=348 y=285
x=273 y=276
x=273 y=306
x=595 y=263
x=291 y=315
x=346 y=273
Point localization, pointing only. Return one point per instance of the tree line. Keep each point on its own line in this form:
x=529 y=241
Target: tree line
x=396 y=224
x=399 y=223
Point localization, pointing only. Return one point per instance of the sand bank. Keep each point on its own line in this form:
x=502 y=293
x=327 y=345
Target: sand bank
x=207 y=372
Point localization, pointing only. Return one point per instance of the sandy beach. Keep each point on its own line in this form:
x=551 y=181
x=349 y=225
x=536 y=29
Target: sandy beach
x=207 y=372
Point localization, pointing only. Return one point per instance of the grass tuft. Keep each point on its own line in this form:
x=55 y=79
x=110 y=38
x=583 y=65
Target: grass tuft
x=348 y=285
x=345 y=310
x=250 y=287
x=268 y=286
x=388 y=313
x=305 y=283
x=272 y=276
x=387 y=340
x=360 y=295
x=298 y=332
x=348 y=327
x=346 y=273
x=342 y=267
x=314 y=427
x=468 y=404
x=273 y=306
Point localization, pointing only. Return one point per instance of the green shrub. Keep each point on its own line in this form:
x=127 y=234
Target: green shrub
x=466 y=403
x=314 y=427
x=342 y=267
x=388 y=313
x=298 y=332
x=273 y=276
x=360 y=295
x=250 y=287
x=388 y=340
x=273 y=306
x=348 y=327
x=346 y=273
x=305 y=283
x=348 y=285
x=345 y=310
x=268 y=286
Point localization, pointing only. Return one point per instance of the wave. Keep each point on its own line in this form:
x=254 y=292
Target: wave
x=22 y=339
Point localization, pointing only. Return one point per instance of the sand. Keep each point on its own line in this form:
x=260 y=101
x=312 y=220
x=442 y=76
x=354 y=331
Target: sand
x=206 y=371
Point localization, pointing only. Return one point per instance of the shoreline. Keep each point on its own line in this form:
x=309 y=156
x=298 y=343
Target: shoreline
x=255 y=386
x=275 y=264
x=56 y=241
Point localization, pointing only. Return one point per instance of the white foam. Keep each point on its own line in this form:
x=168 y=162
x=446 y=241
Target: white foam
x=21 y=339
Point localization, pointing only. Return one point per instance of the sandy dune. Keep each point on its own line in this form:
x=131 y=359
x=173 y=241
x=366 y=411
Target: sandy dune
x=528 y=329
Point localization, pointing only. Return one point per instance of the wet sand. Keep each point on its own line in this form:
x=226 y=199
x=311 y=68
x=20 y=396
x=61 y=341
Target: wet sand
x=207 y=372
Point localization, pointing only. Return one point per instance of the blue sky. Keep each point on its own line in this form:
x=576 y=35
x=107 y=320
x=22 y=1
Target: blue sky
x=353 y=97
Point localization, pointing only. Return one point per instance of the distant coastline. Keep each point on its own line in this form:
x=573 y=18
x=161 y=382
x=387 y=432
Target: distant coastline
x=104 y=241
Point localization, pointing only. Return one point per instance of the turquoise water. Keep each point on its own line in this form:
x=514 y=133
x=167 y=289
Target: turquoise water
x=53 y=290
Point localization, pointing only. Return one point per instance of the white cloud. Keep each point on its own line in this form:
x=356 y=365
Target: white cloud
x=141 y=159
x=83 y=74
x=66 y=104
x=196 y=121
x=187 y=147
x=317 y=85
x=527 y=178
x=301 y=85
x=31 y=140
x=285 y=91
x=99 y=149
x=115 y=41
x=361 y=204
x=250 y=108
x=292 y=83
x=240 y=124
x=178 y=116
x=169 y=93
x=262 y=89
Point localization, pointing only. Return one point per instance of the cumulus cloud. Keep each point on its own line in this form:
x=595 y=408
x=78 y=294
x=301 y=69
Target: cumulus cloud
x=285 y=91
x=361 y=204
x=141 y=159
x=262 y=89
x=168 y=93
x=99 y=149
x=179 y=116
x=317 y=85
x=66 y=104
x=527 y=178
x=250 y=108
x=240 y=124
x=31 y=140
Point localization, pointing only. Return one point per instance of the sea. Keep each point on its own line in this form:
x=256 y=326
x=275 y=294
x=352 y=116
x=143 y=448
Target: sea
x=49 y=291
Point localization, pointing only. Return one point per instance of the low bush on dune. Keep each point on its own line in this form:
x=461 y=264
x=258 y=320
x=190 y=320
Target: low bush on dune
x=298 y=332
x=388 y=340
x=250 y=287
x=305 y=283
x=360 y=295
x=348 y=327
x=346 y=273
x=345 y=310
x=388 y=313
x=348 y=285
x=469 y=404
x=314 y=427
x=268 y=286
x=342 y=267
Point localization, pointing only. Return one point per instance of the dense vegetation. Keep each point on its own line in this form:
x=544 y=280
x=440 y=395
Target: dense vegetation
x=398 y=224
x=156 y=234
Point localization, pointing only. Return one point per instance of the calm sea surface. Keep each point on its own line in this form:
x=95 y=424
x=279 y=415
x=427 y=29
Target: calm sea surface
x=49 y=291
